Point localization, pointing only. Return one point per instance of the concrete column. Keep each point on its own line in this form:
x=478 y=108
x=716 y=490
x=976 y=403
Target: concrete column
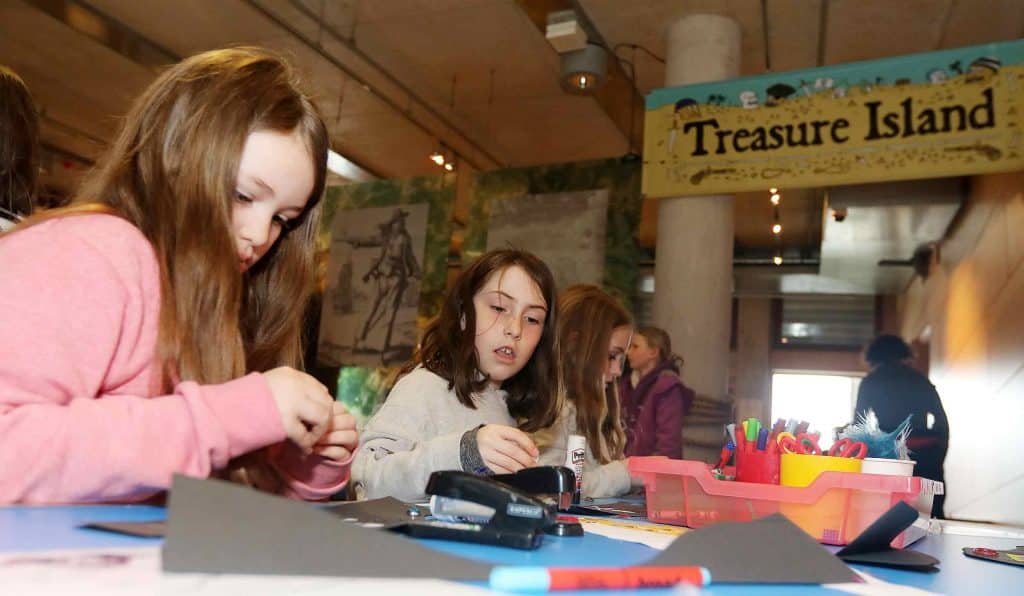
x=693 y=266
x=753 y=364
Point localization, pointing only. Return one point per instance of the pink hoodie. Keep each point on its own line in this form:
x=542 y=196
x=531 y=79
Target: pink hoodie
x=79 y=419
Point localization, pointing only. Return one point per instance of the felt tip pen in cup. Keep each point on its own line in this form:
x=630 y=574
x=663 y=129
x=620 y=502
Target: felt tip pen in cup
x=762 y=439
x=550 y=579
x=723 y=457
x=752 y=426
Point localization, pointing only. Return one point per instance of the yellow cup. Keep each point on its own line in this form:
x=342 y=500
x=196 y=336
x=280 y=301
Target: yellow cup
x=801 y=470
x=825 y=519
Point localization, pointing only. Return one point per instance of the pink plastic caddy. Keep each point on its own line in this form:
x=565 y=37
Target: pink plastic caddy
x=683 y=493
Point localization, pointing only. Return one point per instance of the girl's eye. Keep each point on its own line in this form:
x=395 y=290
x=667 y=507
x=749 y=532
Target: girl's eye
x=496 y=308
x=242 y=198
x=533 y=320
x=283 y=222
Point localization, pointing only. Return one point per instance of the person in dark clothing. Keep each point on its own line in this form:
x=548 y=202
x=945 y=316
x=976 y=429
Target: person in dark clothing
x=893 y=390
x=653 y=408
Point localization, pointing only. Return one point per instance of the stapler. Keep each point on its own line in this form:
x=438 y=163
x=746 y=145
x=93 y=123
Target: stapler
x=556 y=483
x=479 y=509
x=552 y=484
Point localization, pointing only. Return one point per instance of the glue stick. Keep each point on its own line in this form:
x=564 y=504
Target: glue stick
x=575 y=454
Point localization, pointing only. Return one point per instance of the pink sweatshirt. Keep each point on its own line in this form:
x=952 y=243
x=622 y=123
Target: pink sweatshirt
x=79 y=420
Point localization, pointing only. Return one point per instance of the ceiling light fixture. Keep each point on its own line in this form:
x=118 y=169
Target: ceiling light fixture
x=584 y=71
x=777 y=259
x=449 y=166
x=777 y=229
x=437 y=158
x=776 y=197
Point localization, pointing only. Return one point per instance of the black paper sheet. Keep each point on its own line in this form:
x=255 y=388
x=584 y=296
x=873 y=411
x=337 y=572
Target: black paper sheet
x=769 y=550
x=872 y=546
x=152 y=529
x=387 y=510
x=218 y=527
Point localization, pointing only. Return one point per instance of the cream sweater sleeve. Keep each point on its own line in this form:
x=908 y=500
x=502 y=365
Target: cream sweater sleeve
x=401 y=445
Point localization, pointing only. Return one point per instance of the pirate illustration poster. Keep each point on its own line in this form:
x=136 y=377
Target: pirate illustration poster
x=371 y=299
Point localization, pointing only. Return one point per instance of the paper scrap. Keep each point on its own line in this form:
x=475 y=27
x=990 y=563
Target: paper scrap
x=657 y=536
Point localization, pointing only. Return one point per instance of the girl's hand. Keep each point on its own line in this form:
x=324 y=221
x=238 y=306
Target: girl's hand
x=304 y=405
x=341 y=438
x=506 y=450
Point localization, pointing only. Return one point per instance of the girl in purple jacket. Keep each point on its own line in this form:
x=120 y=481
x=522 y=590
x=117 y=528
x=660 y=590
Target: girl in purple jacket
x=653 y=408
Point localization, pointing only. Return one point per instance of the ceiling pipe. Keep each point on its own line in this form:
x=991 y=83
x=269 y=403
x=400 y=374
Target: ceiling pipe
x=313 y=45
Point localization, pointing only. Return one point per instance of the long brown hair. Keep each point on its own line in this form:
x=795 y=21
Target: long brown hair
x=172 y=172
x=587 y=316
x=19 y=145
x=448 y=348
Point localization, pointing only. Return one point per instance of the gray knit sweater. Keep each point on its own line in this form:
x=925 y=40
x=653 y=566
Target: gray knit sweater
x=419 y=430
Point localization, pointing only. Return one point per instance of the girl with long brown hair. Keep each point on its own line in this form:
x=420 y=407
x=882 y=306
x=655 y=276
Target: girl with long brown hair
x=594 y=332
x=153 y=327
x=485 y=375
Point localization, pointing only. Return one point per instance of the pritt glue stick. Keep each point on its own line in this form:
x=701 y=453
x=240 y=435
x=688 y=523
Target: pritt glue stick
x=575 y=454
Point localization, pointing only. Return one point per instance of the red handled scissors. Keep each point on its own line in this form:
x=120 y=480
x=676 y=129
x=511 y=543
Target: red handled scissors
x=802 y=444
x=848 y=448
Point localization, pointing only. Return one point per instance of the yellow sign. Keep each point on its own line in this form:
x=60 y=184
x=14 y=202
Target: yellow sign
x=966 y=124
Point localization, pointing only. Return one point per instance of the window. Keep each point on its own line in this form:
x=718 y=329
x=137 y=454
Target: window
x=826 y=401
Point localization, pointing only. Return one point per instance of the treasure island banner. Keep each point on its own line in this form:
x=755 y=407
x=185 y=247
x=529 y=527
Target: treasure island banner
x=947 y=113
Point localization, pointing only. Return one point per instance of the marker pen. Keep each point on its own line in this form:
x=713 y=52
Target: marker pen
x=545 y=579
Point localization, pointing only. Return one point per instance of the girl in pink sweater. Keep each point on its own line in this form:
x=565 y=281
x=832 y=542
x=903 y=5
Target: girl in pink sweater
x=153 y=327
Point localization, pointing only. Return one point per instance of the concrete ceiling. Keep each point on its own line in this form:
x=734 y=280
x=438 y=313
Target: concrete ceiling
x=394 y=78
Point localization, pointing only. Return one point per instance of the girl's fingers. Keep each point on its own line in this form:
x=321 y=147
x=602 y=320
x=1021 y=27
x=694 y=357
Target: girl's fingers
x=521 y=439
x=301 y=435
x=315 y=413
x=334 y=452
x=343 y=422
x=339 y=437
x=515 y=452
x=501 y=463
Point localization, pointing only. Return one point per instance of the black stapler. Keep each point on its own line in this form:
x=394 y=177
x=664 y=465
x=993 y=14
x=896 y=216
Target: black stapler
x=552 y=484
x=483 y=511
x=556 y=483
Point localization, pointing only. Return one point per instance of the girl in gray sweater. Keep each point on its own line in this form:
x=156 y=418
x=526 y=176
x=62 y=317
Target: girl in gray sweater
x=485 y=375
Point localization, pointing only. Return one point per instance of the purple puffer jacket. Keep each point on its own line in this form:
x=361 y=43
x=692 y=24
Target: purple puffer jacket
x=653 y=411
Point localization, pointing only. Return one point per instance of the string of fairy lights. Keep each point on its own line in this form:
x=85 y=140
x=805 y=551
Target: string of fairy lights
x=776 y=199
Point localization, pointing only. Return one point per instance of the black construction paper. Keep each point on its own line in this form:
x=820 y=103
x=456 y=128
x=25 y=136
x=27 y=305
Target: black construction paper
x=872 y=546
x=219 y=527
x=769 y=550
x=388 y=511
x=150 y=529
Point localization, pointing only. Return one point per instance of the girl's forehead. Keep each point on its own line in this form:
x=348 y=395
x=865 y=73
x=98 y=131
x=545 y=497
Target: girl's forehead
x=514 y=281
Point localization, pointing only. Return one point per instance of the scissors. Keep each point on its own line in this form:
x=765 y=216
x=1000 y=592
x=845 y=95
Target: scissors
x=848 y=448
x=802 y=444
